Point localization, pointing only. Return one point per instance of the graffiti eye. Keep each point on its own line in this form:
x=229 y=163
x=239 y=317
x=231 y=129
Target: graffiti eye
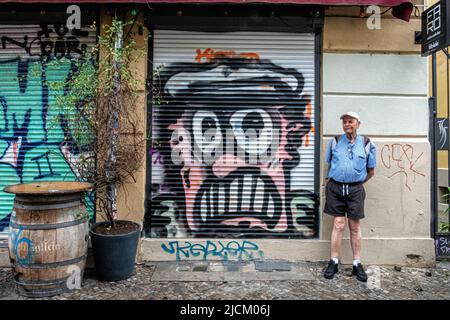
x=253 y=130
x=208 y=124
x=253 y=120
x=206 y=130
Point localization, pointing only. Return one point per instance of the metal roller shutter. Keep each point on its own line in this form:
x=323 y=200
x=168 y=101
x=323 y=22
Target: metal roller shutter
x=233 y=142
x=33 y=147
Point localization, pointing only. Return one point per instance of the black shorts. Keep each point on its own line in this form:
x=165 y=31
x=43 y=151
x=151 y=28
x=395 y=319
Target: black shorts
x=341 y=199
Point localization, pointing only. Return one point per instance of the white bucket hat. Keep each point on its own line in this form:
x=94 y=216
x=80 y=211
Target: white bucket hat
x=351 y=114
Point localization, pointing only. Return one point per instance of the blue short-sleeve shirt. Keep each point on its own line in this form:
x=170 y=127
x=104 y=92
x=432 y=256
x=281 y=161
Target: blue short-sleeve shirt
x=349 y=162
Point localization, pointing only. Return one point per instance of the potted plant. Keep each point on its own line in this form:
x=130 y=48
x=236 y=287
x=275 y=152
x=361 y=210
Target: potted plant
x=98 y=112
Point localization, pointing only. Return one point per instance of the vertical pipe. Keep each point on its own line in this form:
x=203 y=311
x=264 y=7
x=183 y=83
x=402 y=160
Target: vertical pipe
x=148 y=166
x=434 y=213
x=317 y=116
x=448 y=134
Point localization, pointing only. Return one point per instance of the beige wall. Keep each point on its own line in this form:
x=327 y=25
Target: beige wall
x=415 y=251
x=351 y=35
x=345 y=31
x=398 y=196
x=386 y=82
x=442 y=87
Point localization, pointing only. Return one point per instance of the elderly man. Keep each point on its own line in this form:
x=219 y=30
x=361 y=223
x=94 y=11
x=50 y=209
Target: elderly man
x=352 y=160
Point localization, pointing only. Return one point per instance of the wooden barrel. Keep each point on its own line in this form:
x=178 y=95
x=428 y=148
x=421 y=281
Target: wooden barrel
x=48 y=237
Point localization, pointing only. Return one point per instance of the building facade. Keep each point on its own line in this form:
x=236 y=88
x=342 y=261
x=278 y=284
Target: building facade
x=287 y=72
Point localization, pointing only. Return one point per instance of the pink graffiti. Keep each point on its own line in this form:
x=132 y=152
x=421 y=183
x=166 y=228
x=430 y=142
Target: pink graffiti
x=401 y=159
x=11 y=153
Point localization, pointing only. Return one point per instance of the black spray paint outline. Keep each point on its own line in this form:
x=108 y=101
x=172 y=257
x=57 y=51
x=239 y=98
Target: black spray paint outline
x=282 y=89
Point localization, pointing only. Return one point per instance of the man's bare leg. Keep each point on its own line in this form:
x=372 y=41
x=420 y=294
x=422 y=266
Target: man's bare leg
x=355 y=240
x=336 y=236
x=336 y=240
x=355 y=237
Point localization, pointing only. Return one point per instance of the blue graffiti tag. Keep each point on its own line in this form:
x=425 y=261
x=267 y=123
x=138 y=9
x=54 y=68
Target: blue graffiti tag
x=230 y=250
x=17 y=241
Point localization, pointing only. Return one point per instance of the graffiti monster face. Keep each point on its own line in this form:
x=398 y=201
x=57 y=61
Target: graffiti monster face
x=229 y=132
x=233 y=167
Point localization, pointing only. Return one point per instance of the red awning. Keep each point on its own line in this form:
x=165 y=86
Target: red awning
x=400 y=8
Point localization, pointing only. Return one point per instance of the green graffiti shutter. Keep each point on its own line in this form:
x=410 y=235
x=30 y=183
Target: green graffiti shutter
x=263 y=81
x=31 y=141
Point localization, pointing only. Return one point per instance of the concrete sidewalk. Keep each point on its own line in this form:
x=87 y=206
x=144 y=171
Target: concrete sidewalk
x=264 y=280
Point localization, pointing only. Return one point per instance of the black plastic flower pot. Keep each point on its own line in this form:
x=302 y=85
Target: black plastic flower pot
x=114 y=254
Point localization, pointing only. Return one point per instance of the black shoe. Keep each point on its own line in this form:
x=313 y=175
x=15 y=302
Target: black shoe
x=359 y=272
x=331 y=270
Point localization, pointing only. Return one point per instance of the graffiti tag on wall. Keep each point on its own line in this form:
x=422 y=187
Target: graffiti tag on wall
x=443 y=246
x=231 y=250
x=55 y=41
x=209 y=54
x=401 y=160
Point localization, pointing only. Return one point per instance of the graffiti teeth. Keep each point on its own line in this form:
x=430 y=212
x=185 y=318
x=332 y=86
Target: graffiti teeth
x=271 y=208
x=259 y=196
x=222 y=199
x=233 y=196
x=246 y=192
x=245 y=198
x=204 y=208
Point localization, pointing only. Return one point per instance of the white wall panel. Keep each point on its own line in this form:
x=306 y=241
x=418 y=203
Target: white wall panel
x=380 y=115
x=375 y=74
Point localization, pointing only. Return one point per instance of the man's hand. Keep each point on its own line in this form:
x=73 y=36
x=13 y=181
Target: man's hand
x=370 y=174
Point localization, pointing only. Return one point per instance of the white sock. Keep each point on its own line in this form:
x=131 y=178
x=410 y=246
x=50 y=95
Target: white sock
x=336 y=260
x=355 y=262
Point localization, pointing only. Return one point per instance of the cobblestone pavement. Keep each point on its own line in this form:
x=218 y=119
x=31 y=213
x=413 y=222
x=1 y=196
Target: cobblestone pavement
x=395 y=283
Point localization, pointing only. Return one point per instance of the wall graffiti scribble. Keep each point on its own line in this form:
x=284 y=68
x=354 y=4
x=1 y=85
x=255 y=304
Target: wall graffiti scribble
x=231 y=250
x=201 y=187
x=442 y=244
x=400 y=159
x=209 y=54
x=35 y=141
x=56 y=42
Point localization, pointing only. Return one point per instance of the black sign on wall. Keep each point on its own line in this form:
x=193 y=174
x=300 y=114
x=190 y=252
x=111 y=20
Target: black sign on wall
x=442 y=245
x=436 y=28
